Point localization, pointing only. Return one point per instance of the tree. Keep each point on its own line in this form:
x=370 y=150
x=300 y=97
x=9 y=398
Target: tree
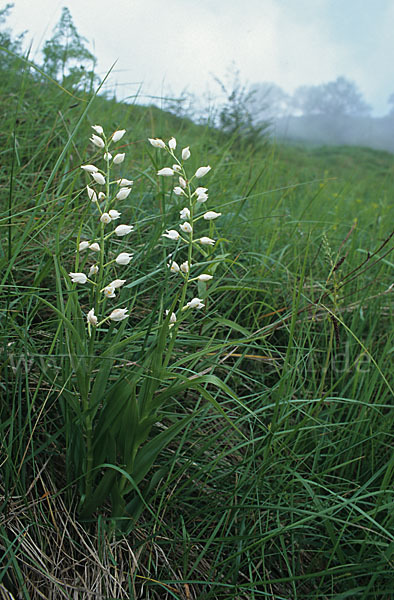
x=390 y=100
x=65 y=54
x=335 y=98
x=6 y=41
x=268 y=101
x=234 y=115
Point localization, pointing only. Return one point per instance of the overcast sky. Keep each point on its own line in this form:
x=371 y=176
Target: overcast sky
x=180 y=44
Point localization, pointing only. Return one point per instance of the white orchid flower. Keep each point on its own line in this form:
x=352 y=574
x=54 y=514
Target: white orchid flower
x=118 y=314
x=123 y=258
x=171 y=234
x=89 y=168
x=186 y=227
x=157 y=142
x=119 y=158
x=184 y=213
x=78 y=277
x=97 y=141
x=122 y=230
x=91 y=318
x=118 y=134
x=211 y=214
x=206 y=241
x=166 y=172
x=99 y=178
x=201 y=171
x=186 y=153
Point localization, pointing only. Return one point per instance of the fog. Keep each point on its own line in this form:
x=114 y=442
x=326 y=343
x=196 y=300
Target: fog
x=333 y=113
x=375 y=132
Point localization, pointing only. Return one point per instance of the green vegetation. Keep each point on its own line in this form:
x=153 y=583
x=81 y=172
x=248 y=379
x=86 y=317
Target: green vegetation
x=279 y=483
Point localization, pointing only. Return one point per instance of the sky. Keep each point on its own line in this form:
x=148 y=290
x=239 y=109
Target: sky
x=168 y=46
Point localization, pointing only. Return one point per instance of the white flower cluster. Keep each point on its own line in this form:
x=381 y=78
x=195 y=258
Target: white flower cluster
x=118 y=189
x=194 y=197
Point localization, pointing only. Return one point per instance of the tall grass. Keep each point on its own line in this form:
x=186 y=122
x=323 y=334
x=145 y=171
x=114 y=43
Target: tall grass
x=279 y=483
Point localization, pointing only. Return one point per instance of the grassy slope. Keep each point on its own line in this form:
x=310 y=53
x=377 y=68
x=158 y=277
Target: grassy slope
x=301 y=506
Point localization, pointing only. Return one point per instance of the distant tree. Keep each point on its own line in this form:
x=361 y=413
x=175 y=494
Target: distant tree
x=390 y=100
x=234 y=115
x=7 y=42
x=268 y=101
x=65 y=56
x=335 y=98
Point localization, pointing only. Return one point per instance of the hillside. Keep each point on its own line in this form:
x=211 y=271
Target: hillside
x=238 y=447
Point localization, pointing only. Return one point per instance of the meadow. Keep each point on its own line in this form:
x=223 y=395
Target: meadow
x=244 y=450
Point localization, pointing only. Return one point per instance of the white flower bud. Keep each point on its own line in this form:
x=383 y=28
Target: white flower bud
x=202 y=198
x=172 y=143
x=99 y=178
x=186 y=227
x=182 y=182
x=107 y=156
x=89 y=168
x=91 y=318
x=119 y=314
x=92 y=194
x=93 y=270
x=78 y=277
x=83 y=246
x=122 y=230
x=101 y=195
x=124 y=182
x=97 y=141
x=177 y=168
x=98 y=129
x=166 y=172
x=184 y=213
x=95 y=247
x=172 y=318
x=185 y=267
x=186 y=153
x=119 y=133
x=105 y=218
x=200 y=190
x=117 y=283
x=114 y=214
x=206 y=241
x=178 y=191
x=123 y=193
x=211 y=214
x=172 y=234
x=204 y=277
x=201 y=171
x=123 y=258
x=157 y=142
x=119 y=158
